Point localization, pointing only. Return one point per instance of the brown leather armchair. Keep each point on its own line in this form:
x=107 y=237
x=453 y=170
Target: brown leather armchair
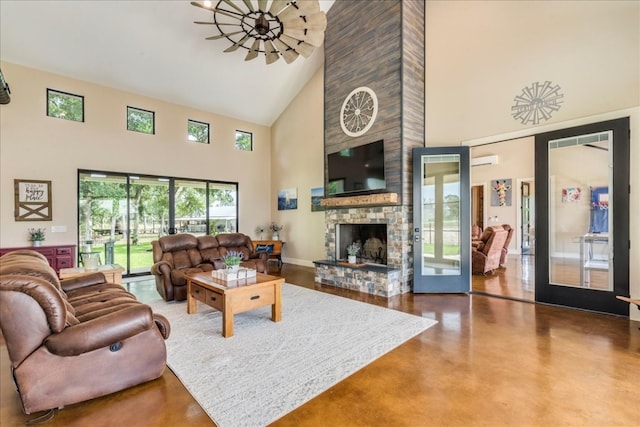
x=74 y=340
x=486 y=256
x=175 y=256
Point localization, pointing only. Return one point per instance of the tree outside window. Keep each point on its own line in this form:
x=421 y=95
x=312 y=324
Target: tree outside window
x=198 y=131
x=244 y=140
x=64 y=105
x=139 y=120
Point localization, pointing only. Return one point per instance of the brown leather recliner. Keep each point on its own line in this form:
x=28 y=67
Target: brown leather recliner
x=486 y=256
x=177 y=255
x=76 y=339
x=505 y=249
x=174 y=256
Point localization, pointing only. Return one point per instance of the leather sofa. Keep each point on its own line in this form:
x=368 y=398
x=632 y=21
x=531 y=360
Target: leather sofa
x=486 y=255
x=76 y=339
x=178 y=255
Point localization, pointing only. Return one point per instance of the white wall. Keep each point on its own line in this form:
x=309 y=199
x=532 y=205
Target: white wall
x=34 y=146
x=298 y=162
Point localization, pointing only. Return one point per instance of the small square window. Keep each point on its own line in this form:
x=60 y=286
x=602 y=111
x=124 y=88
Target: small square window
x=244 y=140
x=198 y=131
x=139 y=120
x=64 y=105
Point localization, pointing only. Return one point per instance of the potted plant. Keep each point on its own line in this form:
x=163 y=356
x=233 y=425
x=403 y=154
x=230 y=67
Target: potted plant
x=352 y=251
x=36 y=235
x=232 y=260
x=275 y=228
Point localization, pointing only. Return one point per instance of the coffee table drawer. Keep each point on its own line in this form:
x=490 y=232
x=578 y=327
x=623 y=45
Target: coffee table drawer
x=214 y=300
x=253 y=298
x=198 y=293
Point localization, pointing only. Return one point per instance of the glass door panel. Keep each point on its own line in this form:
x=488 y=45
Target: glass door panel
x=148 y=219
x=442 y=229
x=190 y=207
x=582 y=216
x=580 y=228
x=102 y=217
x=223 y=208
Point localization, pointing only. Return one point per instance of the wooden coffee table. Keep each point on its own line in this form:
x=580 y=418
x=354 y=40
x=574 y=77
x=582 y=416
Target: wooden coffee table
x=235 y=296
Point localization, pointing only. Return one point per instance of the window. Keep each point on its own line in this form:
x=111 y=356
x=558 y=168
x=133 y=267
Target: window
x=244 y=140
x=64 y=105
x=198 y=131
x=139 y=120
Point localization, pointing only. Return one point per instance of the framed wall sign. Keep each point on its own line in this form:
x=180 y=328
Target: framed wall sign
x=32 y=200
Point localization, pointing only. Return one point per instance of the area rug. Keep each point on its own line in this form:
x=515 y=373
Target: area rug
x=267 y=369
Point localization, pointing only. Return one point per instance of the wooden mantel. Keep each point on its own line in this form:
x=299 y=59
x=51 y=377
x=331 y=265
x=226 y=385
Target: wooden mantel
x=365 y=200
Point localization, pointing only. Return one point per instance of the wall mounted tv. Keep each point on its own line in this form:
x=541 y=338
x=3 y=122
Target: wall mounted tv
x=357 y=169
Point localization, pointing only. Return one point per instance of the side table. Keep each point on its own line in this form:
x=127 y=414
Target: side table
x=112 y=272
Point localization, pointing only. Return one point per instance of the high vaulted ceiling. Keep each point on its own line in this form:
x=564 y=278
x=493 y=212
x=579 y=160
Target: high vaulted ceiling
x=151 y=48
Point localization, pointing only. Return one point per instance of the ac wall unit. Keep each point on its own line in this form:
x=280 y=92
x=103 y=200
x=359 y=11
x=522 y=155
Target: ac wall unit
x=486 y=160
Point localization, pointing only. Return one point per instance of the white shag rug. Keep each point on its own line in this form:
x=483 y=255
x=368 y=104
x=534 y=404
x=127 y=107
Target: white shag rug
x=267 y=369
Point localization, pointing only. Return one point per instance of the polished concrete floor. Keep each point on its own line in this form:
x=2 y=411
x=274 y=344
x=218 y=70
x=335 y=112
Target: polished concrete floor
x=488 y=362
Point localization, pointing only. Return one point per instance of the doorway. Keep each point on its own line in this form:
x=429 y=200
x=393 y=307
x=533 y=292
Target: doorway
x=527 y=218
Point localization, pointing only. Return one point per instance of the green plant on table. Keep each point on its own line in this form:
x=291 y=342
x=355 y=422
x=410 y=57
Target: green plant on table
x=36 y=234
x=232 y=258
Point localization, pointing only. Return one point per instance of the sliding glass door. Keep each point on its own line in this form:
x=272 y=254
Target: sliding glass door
x=120 y=214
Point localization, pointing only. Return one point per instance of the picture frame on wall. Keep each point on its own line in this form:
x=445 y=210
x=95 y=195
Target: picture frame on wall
x=287 y=199
x=317 y=193
x=32 y=200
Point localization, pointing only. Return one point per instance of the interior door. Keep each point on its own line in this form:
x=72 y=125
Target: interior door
x=442 y=220
x=582 y=216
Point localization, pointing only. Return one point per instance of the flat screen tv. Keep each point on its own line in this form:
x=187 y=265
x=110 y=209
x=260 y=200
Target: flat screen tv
x=357 y=169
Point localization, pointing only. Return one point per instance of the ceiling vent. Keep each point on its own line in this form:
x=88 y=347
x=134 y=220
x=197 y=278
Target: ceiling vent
x=486 y=160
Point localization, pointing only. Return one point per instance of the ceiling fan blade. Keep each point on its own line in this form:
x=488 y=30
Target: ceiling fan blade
x=299 y=46
x=287 y=52
x=262 y=5
x=307 y=7
x=314 y=22
x=314 y=38
x=237 y=44
x=254 y=51
x=195 y=3
x=230 y=14
x=271 y=54
x=233 y=5
x=249 y=5
x=214 y=23
x=220 y=36
x=289 y=13
x=277 y=6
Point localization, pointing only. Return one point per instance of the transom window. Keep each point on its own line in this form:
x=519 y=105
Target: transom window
x=139 y=120
x=198 y=131
x=244 y=140
x=63 y=105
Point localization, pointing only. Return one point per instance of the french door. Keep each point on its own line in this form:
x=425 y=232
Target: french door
x=120 y=214
x=582 y=216
x=442 y=220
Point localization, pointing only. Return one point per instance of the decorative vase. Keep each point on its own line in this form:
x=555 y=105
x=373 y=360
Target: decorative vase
x=233 y=268
x=36 y=242
x=276 y=236
x=352 y=259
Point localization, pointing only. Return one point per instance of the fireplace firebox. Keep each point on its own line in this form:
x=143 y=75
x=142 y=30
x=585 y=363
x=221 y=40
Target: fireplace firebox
x=371 y=240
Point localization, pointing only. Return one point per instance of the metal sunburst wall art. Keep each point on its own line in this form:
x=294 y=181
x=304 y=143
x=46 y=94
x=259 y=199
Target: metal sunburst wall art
x=274 y=28
x=537 y=102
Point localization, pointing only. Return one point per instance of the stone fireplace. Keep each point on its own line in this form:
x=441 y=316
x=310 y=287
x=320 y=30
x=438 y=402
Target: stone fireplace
x=392 y=278
x=392 y=68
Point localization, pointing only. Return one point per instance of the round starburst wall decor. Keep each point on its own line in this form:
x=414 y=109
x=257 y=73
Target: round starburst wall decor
x=537 y=102
x=358 y=111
